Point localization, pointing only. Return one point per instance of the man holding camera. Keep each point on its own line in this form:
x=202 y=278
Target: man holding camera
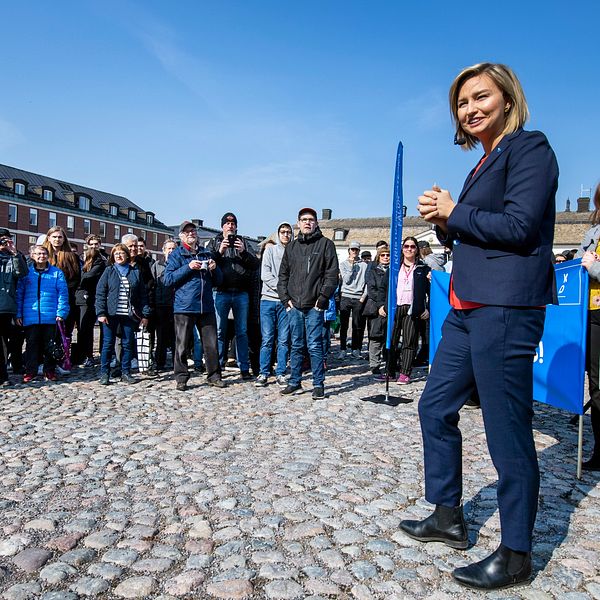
x=238 y=262
x=192 y=273
x=13 y=266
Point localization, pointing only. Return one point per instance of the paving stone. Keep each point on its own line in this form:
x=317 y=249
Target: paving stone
x=184 y=583
x=90 y=586
x=105 y=571
x=40 y=525
x=122 y=557
x=59 y=596
x=78 y=557
x=64 y=542
x=31 y=559
x=100 y=540
x=22 y=591
x=56 y=572
x=135 y=587
x=284 y=589
x=152 y=565
x=231 y=589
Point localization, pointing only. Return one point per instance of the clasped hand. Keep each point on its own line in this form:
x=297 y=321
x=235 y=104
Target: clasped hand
x=436 y=206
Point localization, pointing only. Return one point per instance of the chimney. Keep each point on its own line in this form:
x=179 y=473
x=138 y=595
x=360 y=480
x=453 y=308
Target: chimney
x=198 y=222
x=583 y=204
x=326 y=214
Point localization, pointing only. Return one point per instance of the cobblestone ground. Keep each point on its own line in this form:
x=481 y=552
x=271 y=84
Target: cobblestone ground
x=144 y=492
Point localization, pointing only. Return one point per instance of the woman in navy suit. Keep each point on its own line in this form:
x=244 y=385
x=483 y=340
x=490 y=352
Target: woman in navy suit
x=501 y=232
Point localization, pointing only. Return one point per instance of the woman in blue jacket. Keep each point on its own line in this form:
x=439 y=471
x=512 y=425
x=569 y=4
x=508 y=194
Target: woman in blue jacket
x=121 y=301
x=42 y=301
x=501 y=231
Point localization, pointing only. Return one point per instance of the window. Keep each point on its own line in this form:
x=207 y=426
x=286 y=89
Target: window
x=51 y=220
x=87 y=226
x=149 y=218
x=48 y=195
x=20 y=188
x=102 y=229
x=155 y=239
x=117 y=232
x=84 y=203
x=12 y=213
x=32 y=240
x=340 y=234
x=130 y=230
x=33 y=216
x=70 y=223
x=132 y=214
x=113 y=210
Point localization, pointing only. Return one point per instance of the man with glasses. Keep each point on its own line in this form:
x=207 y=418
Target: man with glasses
x=192 y=272
x=353 y=273
x=273 y=316
x=308 y=276
x=238 y=264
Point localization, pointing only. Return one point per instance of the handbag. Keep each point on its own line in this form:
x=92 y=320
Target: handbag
x=370 y=308
x=66 y=345
x=142 y=338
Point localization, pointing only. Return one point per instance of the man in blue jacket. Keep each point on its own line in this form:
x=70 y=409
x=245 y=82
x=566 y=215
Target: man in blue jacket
x=192 y=273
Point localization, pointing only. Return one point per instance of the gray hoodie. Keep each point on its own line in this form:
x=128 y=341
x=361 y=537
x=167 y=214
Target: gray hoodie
x=354 y=284
x=590 y=242
x=271 y=261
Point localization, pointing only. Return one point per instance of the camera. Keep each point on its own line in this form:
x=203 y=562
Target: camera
x=204 y=265
x=231 y=240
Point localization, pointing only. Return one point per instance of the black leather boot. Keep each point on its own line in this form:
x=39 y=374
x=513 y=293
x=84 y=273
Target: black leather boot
x=446 y=524
x=501 y=569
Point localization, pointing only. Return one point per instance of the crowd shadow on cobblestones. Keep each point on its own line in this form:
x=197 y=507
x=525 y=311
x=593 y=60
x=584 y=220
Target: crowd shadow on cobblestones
x=560 y=491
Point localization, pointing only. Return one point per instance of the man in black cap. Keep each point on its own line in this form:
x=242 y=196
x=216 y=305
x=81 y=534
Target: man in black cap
x=13 y=266
x=238 y=264
x=308 y=276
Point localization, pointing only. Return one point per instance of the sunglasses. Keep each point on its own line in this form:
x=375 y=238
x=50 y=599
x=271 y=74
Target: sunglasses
x=385 y=253
x=410 y=246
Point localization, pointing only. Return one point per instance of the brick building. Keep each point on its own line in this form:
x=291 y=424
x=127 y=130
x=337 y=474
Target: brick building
x=30 y=204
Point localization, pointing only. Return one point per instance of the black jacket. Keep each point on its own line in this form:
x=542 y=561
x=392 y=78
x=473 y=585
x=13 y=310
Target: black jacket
x=377 y=290
x=309 y=271
x=237 y=267
x=85 y=294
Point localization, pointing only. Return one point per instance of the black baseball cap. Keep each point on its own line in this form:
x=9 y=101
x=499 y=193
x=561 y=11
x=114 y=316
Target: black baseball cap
x=308 y=210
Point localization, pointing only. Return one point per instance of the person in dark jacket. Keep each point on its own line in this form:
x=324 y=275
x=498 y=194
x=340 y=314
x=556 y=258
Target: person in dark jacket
x=238 y=264
x=308 y=276
x=163 y=308
x=13 y=267
x=121 y=302
x=377 y=292
x=85 y=298
x=42 y=301
x=412 y=300
x=192 y=272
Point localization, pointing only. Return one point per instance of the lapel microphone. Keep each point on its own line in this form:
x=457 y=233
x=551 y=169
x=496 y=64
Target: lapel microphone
x=459 y=141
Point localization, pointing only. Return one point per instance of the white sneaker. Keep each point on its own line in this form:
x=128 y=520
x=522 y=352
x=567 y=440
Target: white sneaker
x=261 y=381
x=282 y=381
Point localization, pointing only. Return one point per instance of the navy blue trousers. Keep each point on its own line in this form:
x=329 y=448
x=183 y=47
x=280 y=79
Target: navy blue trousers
x=492 y=348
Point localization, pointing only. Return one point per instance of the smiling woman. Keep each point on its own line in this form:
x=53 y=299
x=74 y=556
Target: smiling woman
x=502 y=226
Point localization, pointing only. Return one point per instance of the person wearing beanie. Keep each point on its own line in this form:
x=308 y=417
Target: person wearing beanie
x=238 y=263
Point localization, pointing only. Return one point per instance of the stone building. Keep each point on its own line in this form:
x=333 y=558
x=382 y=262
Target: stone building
x=30 y=204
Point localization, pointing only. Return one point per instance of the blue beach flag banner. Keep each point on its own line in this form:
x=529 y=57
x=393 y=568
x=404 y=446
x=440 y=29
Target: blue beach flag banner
x=559 y=363
x=395 y=243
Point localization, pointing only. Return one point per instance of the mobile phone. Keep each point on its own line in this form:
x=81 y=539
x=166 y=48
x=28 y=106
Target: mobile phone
x=231 y=240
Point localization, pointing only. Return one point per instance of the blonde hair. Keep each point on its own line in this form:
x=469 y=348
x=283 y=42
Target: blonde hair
x=510 y=86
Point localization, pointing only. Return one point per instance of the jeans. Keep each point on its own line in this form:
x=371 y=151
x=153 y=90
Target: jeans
x=238 y=302
x=198 y=349
x=39 y=338
x=128 y=329
x=307 y=324
x=273 y=317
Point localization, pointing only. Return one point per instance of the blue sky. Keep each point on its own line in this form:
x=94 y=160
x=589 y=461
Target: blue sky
x=194 y=108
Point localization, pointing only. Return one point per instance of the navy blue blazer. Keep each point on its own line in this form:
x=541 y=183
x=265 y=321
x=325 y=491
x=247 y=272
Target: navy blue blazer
x=502 y=227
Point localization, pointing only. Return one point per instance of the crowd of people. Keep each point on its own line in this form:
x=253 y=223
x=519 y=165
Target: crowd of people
x=273 y=314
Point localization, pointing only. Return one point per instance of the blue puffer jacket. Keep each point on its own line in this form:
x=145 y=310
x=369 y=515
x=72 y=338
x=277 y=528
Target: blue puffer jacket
x=193 y=288
x=42 y=296
x=107 y=293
